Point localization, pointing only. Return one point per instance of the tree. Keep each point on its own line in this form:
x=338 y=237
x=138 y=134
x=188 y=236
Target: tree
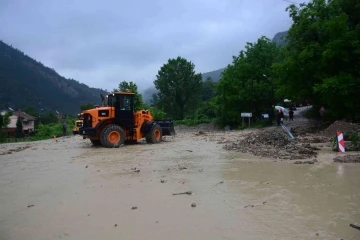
x=19 y=128
x=5 y=120
x=208 y=89
x=178 y=87
x=246 y=84
x=49 y=117
x=125 y=86
x=323 y=55
x=86 y=106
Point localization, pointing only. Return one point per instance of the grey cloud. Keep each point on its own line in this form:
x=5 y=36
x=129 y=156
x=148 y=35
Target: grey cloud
x=103 y=42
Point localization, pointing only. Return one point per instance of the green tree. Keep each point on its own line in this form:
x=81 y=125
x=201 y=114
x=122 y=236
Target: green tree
x=125 y=86
x=5 y=120
x=49 y=117
x=208 y=89
x=323 y=55
x=86 y=106
x=19 y=128
x=246 y=84
x=179 y=87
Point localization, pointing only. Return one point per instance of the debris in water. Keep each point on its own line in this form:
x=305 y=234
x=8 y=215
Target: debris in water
x=86 y=166
x=29 y=206
x=249 y=206
x=133 y=208
x=115 y=225
x=189 y=150
x=355 y=226
x=188 y=193
x=137 y=170
x=304 y=162
x=219 y=183
x=162 y=180
x=193 y=205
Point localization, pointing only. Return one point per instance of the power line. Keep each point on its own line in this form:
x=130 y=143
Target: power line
x=290 y=1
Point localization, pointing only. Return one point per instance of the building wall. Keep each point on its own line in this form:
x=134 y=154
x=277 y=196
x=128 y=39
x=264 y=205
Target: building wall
x=12 y=123
x=27 y=125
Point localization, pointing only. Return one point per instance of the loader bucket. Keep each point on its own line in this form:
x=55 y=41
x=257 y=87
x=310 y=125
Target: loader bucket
x=167 y=127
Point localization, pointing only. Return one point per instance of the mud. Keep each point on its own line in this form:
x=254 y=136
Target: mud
x=275 y=144
x=68 y=189
x=348 y=158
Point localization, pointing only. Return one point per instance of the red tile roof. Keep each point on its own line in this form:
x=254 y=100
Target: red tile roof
x=23 y=115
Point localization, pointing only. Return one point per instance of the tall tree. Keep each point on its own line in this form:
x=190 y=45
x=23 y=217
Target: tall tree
x=246 y=84
x=323 y=55
x=125 y=86
x=179 y=87
x=19 y=128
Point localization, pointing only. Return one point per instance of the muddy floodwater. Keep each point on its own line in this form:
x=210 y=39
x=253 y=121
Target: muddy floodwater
x=67 y=189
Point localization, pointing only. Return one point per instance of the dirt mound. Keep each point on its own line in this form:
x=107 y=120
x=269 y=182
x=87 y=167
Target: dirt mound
x=354 y=158
x=273 y=143
x=309 y=128
x=341 y=126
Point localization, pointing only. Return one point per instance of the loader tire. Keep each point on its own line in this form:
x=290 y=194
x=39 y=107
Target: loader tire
x=112 y=136
x=95 y=142
x=155 y=134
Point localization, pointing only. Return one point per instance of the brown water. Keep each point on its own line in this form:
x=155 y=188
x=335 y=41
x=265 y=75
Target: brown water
x=237 y=196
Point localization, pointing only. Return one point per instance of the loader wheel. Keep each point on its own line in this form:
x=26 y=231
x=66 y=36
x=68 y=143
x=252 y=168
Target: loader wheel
x=112 y=136
x=155 y=134
x=95 y=142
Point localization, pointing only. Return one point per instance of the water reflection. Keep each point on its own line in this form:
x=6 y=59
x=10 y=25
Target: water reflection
x=340 y=170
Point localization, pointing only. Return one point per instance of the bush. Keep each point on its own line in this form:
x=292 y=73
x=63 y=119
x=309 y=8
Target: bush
x=355 y=140
x=193 y=122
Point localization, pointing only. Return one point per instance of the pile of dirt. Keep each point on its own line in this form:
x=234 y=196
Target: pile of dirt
x=313 y=127
x=353 y=158
x=273 y=143
x=341 y=126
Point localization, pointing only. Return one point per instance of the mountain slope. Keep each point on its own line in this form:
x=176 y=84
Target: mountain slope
x=215 y=75
x=26 y=82
x=280 y=38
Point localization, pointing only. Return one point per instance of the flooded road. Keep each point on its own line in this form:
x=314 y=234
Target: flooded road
x=81 y=192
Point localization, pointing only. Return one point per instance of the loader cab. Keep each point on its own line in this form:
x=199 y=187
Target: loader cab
x=123 y=102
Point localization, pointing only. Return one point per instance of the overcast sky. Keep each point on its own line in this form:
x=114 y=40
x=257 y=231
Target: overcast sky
x=101 y=43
